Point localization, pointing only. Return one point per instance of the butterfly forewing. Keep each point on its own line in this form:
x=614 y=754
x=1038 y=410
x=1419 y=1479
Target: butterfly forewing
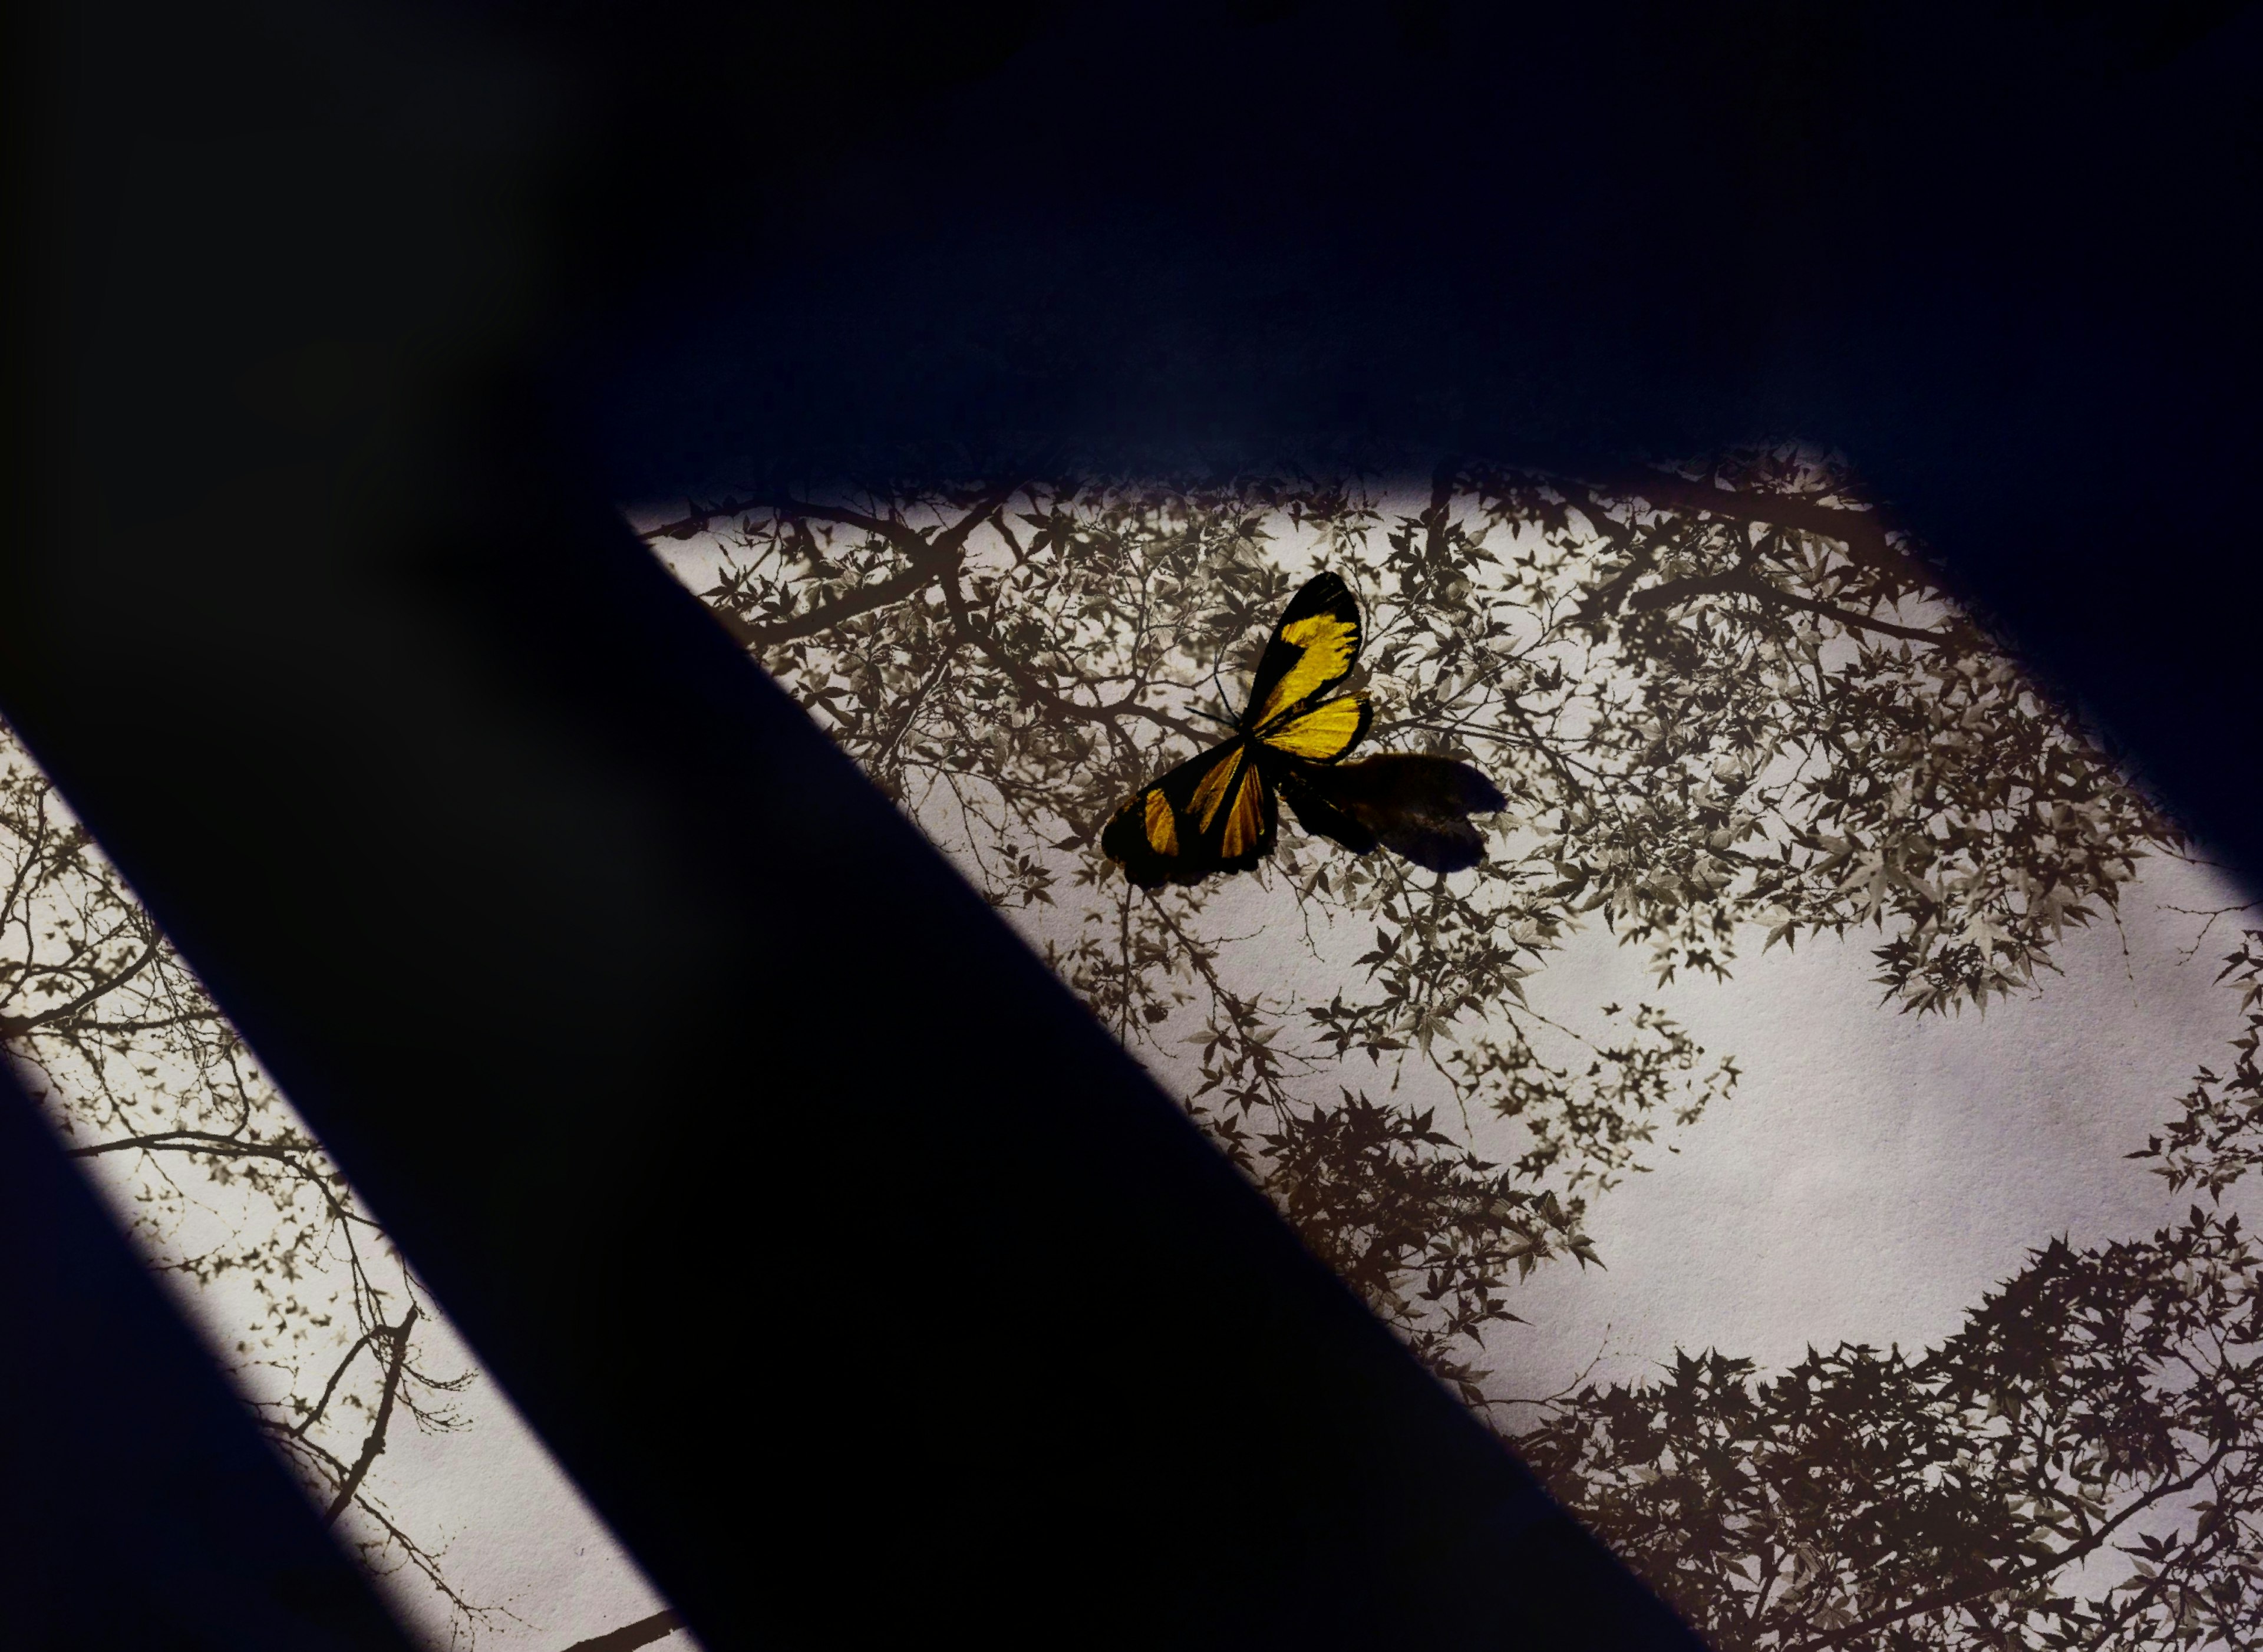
x=1314 y=646
x=1213 y=813
x=1211 y=791
x=1246 y=836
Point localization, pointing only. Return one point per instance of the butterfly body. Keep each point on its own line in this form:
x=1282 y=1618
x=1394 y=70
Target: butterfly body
x=1220 y=811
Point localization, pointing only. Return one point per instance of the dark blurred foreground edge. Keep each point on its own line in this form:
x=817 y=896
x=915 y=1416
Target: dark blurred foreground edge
x=141 y=1509
x=862 y=1280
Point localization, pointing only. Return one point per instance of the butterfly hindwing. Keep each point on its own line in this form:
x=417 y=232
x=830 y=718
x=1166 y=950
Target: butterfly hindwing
x=1213 y=813
x=1414 y=805
x=1320 y=817
x=1315 y=645
x=1322 y=733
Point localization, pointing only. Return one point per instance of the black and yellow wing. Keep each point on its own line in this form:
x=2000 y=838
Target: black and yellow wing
x=1318 y=733
x=1300 y=736
x=1214 y=813
x=1314 y=648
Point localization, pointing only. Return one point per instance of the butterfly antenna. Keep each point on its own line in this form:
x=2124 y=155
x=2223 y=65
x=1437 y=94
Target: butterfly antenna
x=1222 y=698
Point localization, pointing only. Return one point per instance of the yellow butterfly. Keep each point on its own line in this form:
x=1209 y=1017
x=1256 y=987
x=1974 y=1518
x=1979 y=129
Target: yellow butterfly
x=1218 y=813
